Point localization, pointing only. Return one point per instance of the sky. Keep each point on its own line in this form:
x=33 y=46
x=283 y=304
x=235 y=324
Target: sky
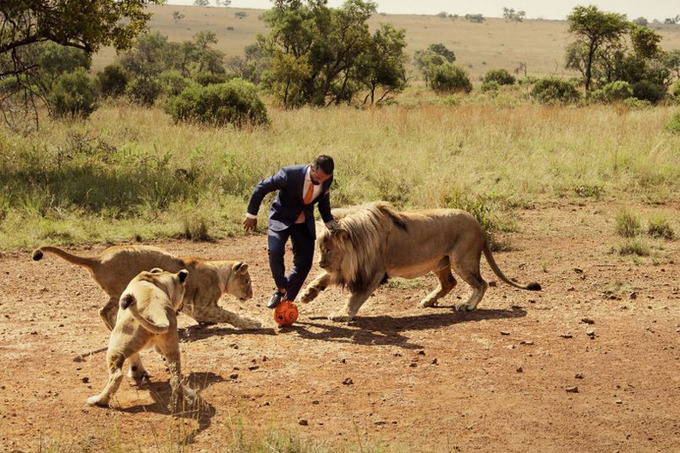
x=546 y=9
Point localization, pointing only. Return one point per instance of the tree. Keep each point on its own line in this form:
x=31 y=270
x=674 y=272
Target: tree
x=435 y=55
x=593 y=29
x=320 y=46
x=177 y=16
x=475 y=18
x=201 y=2
x=81 y=24
x=383 y=64
x=641 y=21
x=510 y=15
x=672 y=20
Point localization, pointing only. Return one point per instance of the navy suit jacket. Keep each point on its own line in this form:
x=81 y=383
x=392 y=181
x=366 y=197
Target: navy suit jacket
x=289 y=202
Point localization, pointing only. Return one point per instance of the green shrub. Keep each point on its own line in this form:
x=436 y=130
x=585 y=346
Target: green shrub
x=235 y=102
x=490 y=85
x=627 y=224
x=208 y=78
x=612 y=92
x=112 y=81
x=500 y=76
x=173 y=83
x=144 y=91
x=553 y=90
x=675 y=90
x=447 y=78
x=74 y=94
x=649 y=91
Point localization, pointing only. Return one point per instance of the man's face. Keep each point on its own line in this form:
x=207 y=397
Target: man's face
x=318 y=176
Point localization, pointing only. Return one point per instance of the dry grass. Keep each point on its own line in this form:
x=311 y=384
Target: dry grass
x=130 y=173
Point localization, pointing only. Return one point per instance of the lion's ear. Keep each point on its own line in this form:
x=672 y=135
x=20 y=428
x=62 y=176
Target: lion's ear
x=156 y=270
x=341 y=234
x=241 y=267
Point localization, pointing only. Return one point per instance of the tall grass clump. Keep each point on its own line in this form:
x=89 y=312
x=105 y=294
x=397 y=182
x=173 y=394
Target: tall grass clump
x=627 y=224
x=636 y=247
x=660 y=227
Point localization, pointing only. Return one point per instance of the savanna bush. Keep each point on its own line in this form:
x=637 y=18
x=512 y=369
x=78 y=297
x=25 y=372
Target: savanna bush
x=553 y=90
x=234 y=102
x=649 y=91
x=490 y=86
x=500 y=76
x=675 y=90
x=144 y=90
x=612 y=92
x=173 y=83
x=112 y=81
x=74 y=94
x=447 y=78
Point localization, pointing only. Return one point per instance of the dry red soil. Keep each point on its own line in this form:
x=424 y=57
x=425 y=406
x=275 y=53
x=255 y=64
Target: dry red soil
x=591 y=363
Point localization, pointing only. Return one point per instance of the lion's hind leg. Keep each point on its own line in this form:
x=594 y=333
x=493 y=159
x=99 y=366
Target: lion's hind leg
x=446 y=283
x=182 y=397
x=109 y=312
x=137 y=370
x=467 y=267
x=115 y=364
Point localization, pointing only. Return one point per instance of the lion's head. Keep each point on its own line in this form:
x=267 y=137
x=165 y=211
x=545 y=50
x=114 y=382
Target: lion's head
x=354 y=252
x=239 y=283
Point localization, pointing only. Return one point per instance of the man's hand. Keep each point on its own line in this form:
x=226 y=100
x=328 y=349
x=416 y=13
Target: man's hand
x=332 y=225
x=249 y=224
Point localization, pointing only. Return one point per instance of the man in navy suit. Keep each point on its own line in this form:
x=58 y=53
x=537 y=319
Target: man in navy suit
x=291 y=215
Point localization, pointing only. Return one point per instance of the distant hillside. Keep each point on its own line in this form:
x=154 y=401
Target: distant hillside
x=478 y=47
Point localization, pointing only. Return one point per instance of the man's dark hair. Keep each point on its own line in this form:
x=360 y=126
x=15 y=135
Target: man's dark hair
x=325 y=163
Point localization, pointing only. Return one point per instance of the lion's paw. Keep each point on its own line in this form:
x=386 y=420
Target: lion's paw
x=97 y=400
x=248 y=323
x=309 y=295
x=138 y=373
x=340 y=317
x=426 y=303
x=463 y=307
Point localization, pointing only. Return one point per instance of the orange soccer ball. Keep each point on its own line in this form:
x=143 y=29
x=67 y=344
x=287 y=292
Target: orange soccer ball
x=285 y=313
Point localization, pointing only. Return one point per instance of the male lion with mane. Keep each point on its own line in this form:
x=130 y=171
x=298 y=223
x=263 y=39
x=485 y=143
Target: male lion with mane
x=375 y=242
x=208 y=280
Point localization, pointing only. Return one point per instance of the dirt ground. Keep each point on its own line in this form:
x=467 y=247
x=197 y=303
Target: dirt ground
x=591 y=363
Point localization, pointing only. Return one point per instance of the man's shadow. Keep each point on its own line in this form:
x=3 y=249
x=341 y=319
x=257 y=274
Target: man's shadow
x=202 y=411
x=386 y=330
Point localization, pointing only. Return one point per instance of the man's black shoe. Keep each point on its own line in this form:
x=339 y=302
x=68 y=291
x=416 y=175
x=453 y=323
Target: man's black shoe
x=276 y=299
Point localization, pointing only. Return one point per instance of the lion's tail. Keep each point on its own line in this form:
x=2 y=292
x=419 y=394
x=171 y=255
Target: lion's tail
x=154 y=326
x=489 y=257
x=79 y=260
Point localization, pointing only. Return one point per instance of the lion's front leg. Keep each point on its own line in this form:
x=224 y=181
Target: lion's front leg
x=355 y=301
x=217 y=314
x=317 y=285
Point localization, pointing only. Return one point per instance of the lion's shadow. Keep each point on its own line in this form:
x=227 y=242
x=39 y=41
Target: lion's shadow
x=387 y=330
x=198 y=332
x=160 y=391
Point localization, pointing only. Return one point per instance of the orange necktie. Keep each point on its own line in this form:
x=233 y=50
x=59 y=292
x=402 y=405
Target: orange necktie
x=307 y=200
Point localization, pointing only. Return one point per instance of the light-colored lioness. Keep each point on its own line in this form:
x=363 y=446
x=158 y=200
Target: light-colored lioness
x=209 y=280
x=375 y=242
x=147 y=318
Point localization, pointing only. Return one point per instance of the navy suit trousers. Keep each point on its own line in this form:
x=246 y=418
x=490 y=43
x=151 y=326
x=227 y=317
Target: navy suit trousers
x=303 y=255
